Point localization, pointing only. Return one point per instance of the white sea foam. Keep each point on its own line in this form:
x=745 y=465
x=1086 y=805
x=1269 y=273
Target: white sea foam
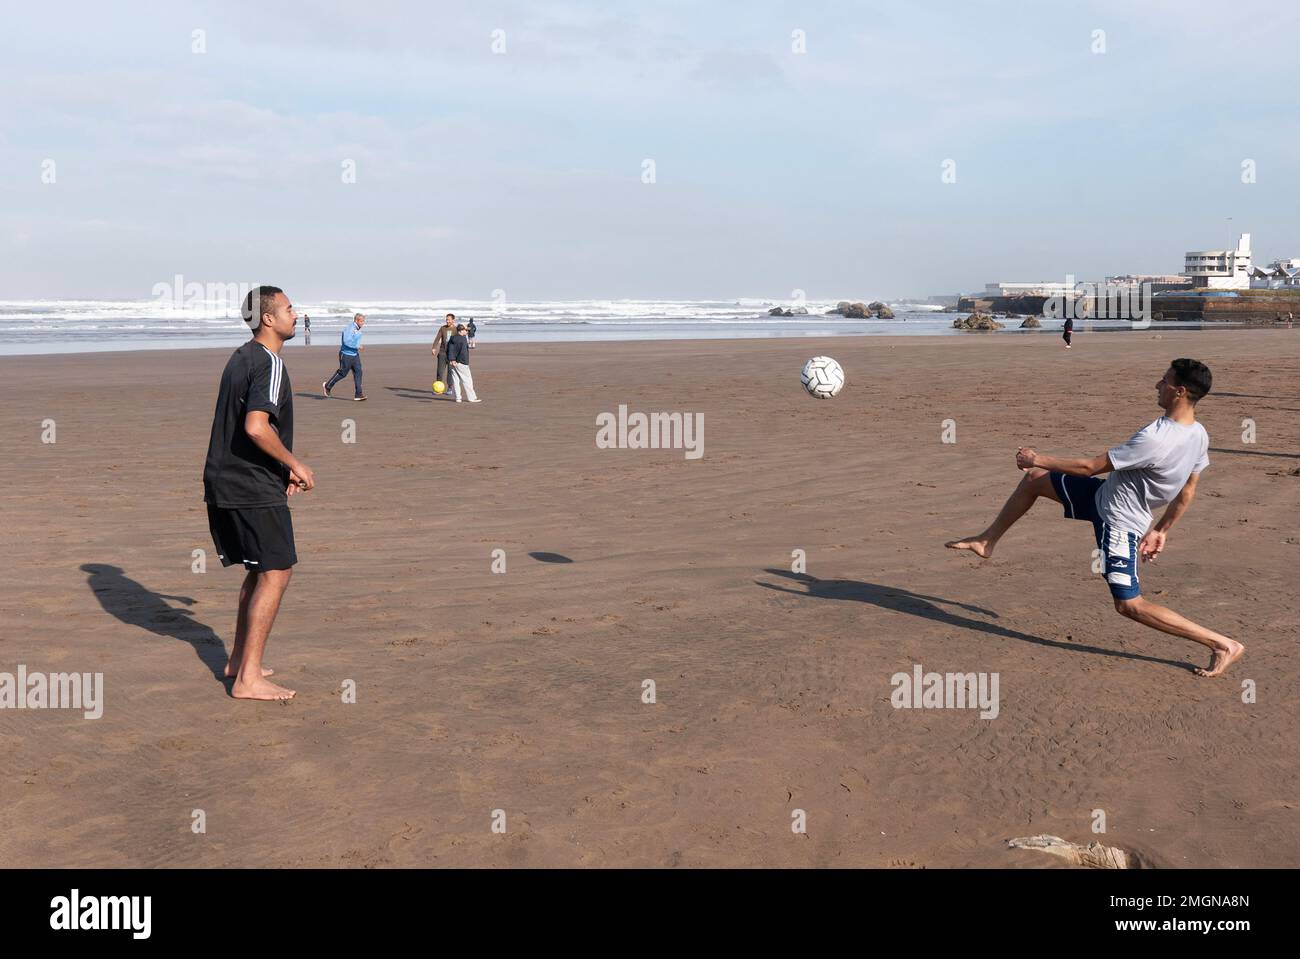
x=50 y=326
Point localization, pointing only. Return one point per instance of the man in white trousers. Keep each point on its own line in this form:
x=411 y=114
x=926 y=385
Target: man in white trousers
x=458 y=361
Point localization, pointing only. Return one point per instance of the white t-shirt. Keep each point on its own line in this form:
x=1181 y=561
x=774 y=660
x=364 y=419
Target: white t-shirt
x=1150 y=470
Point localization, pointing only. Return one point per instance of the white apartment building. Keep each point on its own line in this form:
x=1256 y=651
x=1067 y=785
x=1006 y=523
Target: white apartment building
x=1220 y=269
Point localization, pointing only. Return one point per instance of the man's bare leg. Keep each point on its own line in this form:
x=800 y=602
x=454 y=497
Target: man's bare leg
x=263 y=604
x=1033 y=484
x=241 y=629
x=1225 y=651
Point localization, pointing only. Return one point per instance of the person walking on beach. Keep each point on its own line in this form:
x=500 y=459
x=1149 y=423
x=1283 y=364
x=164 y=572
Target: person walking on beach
x=473 y=331
x=306 y=326
x=349 y=358
x=440 y=340
x=458 y=361
x=248 y=476
x=1160 y=464
x=1068 y=332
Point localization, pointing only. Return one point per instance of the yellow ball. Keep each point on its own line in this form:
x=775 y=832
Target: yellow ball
x=439 y=386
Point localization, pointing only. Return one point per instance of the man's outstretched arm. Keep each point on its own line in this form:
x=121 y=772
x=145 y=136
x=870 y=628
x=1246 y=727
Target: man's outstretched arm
x=1080 y=466
x=1153 y=543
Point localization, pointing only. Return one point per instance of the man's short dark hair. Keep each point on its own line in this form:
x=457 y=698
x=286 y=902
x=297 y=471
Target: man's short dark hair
x=255 y=304
x=1194 y=376
x=452 y=315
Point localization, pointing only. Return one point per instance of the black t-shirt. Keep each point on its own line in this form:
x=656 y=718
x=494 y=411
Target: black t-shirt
x=458 y=349
x=237 y=473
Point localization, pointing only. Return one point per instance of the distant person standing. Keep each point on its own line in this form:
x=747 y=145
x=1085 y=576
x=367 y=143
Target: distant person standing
x=306 y=324
x=1068 y=333
x=440 y=340
x=349 y=358
x=473 y=330
x=458 y=361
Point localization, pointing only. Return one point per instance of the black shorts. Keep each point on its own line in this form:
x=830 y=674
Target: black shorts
x=260 y=537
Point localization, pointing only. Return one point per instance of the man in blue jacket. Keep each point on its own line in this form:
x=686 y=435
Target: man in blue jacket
x=349 y=357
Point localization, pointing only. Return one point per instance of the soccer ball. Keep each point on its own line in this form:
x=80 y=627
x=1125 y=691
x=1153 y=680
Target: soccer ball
x=822 y=377
x=439 y=386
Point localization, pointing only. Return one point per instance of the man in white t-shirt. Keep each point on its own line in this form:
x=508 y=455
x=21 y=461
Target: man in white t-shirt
x=1158 y=467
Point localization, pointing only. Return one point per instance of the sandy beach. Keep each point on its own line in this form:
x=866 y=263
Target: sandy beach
x=522 y=690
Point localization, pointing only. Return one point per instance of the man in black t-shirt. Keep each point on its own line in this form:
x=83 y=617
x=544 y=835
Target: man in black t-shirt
x=249 y=474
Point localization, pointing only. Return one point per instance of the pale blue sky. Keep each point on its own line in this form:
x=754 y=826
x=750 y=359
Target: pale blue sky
x=522 y=171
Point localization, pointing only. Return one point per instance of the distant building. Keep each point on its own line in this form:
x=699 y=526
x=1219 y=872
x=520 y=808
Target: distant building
x=1278 y=275
x=1220 y=269
x=1030 y=289
x=944 y=300
x=1159 y=282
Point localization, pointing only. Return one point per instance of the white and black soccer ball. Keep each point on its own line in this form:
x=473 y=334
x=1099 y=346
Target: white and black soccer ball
x=822 y=377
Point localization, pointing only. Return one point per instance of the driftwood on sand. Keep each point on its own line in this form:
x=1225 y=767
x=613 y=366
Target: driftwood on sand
x=1093 y=856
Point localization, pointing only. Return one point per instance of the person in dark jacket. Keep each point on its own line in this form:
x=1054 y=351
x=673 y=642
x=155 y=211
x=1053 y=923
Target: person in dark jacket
x=458 y=361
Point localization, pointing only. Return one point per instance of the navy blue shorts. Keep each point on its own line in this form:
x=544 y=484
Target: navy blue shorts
x=1119 y=547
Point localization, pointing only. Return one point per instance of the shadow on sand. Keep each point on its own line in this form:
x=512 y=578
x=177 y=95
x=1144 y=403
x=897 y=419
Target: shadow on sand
x=550 y=558
x=917 y=604
x=424 y=395
x=137 y=605
x=1289 y=456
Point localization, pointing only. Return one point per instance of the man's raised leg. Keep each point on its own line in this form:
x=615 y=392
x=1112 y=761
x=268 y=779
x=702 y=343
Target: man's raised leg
x=1225 y=651
x=263 y=604
x=1033 y=484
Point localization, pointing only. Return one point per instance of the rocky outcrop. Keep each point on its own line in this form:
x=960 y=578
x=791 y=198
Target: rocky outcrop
x=862 y=311
x=794 y=311
x=777 y=311
x=1031 y=323
x=977 y=321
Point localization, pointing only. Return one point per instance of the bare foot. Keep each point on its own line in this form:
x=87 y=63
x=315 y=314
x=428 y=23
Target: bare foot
x=260 y=689
x=231 y=674
x=1222 y=659
x=980 y=547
